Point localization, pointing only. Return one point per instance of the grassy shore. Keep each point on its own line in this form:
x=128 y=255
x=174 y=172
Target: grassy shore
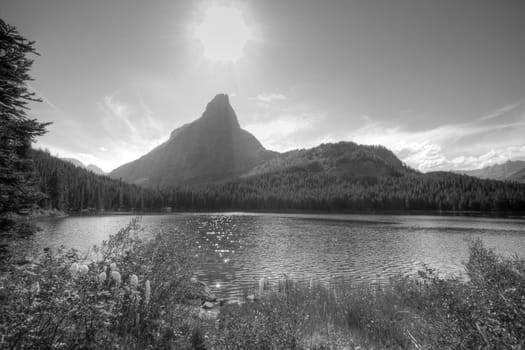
x=135 y=294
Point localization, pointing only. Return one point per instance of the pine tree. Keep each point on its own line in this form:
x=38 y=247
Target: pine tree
x=18 y=184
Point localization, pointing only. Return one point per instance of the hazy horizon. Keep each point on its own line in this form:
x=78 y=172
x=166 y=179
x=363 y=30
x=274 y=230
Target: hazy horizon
x=441 y=84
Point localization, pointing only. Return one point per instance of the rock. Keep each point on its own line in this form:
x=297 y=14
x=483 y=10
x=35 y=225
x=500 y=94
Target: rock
x=208 y=305
x=251 y=297
x=199 y=290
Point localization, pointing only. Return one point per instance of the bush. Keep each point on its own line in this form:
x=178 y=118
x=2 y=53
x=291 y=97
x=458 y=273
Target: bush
x=52 y=302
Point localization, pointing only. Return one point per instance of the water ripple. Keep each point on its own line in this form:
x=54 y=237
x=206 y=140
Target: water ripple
x=237 y=249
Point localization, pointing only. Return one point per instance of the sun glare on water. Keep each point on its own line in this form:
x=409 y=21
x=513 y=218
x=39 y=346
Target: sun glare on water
x=223 y=33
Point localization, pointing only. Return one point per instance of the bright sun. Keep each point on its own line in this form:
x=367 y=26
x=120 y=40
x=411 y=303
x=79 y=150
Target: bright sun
x=223 y=33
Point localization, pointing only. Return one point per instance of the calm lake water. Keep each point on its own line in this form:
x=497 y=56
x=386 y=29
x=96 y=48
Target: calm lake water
x=239 y=248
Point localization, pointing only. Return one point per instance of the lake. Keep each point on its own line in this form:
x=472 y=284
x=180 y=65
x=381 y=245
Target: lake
x=239 y=248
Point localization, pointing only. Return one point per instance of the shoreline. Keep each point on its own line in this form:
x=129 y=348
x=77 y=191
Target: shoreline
x=50 y=213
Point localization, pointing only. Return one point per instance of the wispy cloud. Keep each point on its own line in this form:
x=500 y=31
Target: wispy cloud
x=500 y=112
x=476 y=144
x=282 y=127
x=130 y=126
x=118 y=110
x=270 y=97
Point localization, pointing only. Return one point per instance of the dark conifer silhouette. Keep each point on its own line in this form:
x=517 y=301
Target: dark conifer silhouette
x=18 y=190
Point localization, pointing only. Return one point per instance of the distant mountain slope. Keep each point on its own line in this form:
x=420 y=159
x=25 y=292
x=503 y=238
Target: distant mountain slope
x=518 y=176
x=75 y=189
x=95 y=169
x=343 y=159
x=211 y=148
x=75 y=162
x=509 y=170
x=91 y=167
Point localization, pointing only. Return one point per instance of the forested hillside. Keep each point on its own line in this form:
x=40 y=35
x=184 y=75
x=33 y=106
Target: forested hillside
x=75 y=189
x=512 y=170
x=295 y=188
x=342 y=159
x=317 y=191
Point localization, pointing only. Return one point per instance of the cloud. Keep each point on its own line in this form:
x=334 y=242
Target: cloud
x=130 y=127
x=286 y=126
x=279 y=132
x=492 y=139
x=87 y=158
x=270 y=97
x=500 y=112
x=118 y=110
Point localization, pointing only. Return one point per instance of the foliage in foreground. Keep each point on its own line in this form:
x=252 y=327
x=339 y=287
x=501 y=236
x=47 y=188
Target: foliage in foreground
x=125 y=299
x=487 y=312
x=45 y=304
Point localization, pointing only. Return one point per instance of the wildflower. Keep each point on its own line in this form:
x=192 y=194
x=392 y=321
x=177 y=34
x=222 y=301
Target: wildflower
x=134 y=281
x=115 y=275
x=35 y=288
x=148 y=292
x=73 y=269
x=112 y=267
x=102 y=277
x=83 y=269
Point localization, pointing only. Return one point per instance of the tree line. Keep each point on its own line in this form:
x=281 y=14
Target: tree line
x=73 y=189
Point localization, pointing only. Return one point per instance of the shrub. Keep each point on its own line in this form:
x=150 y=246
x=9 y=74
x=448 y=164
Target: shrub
x=48 y=305
x=428 y=312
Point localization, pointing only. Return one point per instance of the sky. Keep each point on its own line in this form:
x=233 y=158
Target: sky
x=441 y=83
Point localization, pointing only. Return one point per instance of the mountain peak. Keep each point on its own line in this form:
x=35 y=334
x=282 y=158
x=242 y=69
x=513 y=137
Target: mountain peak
x=220 y=110
x=211 y=148
x=220 y=100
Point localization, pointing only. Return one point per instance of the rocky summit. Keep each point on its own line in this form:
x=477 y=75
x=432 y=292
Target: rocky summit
x=209 y=149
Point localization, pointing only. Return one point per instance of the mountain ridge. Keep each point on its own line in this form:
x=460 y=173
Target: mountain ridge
x=344 y=159
x=511 y=170
x=214 y=148
x=91 y=167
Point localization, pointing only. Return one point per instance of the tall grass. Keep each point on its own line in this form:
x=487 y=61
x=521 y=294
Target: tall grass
x=428 y=312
